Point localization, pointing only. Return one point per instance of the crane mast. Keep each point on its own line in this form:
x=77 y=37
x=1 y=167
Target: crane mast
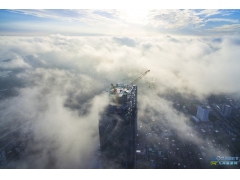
x=114 y=89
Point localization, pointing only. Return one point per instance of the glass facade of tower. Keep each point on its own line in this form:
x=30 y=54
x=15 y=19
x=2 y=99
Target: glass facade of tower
x=117 y=128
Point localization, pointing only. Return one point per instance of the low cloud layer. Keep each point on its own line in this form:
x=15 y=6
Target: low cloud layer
x=60 y=83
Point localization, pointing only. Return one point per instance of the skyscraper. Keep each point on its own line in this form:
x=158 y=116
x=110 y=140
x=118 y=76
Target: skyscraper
x=117 y=128
x=226 y=110
x=202 y=113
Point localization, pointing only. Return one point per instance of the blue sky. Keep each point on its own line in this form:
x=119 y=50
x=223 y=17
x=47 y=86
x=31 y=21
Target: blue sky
x=120 y=22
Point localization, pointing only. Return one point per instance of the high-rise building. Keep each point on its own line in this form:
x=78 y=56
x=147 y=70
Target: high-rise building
x=226 y=110
x=117 y=128
x=202 y=113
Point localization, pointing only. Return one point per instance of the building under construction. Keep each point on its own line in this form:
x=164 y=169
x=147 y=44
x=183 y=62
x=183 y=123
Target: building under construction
x=118 y=127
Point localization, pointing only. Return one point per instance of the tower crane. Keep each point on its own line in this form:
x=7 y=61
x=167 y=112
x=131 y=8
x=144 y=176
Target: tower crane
x=140 y=77
x=115 y=93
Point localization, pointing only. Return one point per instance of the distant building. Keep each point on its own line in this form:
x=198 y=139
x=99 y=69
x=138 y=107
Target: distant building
x=231 y=132
x=226 y=110
x=185 y=109
x=195 y=119
x=202 y=113
x=3 y=160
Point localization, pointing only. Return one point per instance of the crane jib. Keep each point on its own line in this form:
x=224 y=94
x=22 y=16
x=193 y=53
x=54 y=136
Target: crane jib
x=139 y=77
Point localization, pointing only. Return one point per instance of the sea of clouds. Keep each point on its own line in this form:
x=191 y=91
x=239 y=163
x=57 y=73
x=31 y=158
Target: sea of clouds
x=60 y=85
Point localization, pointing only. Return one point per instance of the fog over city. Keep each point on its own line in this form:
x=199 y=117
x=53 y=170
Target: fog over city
x=58 y=86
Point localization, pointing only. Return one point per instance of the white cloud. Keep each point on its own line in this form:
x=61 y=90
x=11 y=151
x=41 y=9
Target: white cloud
x=231 y=28
x=222 y=20
x=14 y=63
x=88 y=16
x=208 y=12
x=172 y=19
x=106 y=55
x=43 y=13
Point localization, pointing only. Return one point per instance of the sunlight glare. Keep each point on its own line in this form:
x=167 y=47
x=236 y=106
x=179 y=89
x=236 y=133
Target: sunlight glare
x=138 y=16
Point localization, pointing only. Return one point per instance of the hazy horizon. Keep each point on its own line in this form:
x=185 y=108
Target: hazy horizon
x=120 y=22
